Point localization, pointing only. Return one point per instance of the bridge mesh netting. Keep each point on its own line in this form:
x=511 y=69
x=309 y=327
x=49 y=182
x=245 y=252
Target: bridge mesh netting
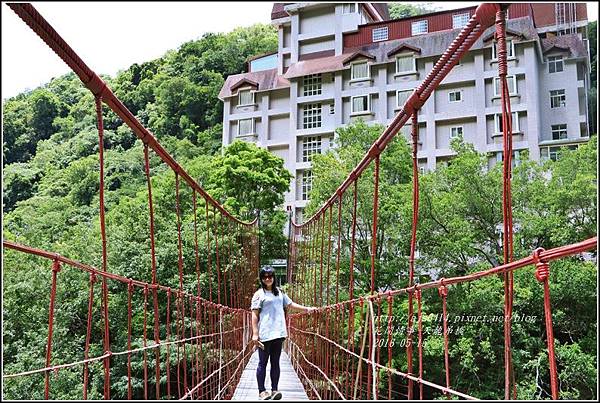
x=344 y=350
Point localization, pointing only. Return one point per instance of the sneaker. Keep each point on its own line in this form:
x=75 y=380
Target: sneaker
x=276 y=395
x=264 y=395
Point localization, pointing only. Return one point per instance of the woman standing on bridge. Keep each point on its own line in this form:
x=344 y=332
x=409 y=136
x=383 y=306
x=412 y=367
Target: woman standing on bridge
x=269 y=330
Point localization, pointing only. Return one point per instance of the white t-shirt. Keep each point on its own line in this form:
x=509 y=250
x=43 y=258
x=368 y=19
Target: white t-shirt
x=271 y=323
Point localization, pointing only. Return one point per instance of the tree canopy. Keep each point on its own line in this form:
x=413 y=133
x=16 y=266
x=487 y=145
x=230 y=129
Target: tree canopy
x=403 y=10
x=459 y=232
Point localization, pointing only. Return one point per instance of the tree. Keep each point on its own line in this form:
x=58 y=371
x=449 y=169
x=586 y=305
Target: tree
x=250 y=182
x=556 y=203
x=593 y=91
x=403 y=10
x=460 y=210
x=460 y=217
x=19 y=183
x=592 y=33
x=393 y=235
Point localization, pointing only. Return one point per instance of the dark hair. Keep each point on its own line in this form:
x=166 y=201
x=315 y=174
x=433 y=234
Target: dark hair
x=268 y=270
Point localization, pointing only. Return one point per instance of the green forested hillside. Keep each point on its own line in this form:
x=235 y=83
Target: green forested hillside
x=50 y=187
x=175 y=96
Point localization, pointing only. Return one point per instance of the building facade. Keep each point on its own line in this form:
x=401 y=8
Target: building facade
x=340 y=62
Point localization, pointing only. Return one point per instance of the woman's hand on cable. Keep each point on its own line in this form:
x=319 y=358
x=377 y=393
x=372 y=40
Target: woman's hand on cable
x=257 y=343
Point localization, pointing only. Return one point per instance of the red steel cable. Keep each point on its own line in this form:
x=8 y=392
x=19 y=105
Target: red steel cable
x=154 y=277
x=413 y=244
x=542 y=274
x=55 y=270
x=353 y=243
x=389 y=342
x=329 y=251
x=339 y=250
x=217 y=260
x=321 y=258
x=443 y=291
x=420 y=326
x=145 y=343
x=375 y=215
x=506 y=198
x=168 y=346
x=88 y=335
x=129 y=292
x=181 y=301
x=104 y=252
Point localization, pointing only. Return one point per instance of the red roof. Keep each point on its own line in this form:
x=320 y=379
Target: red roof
x=436 y=21
x=357 y=54
x=264 y=80
x=402 y=47
x=278 y=11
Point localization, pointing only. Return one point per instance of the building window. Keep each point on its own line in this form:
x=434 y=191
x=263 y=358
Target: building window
x=310 y=146
x=380 y=34
x=557 y=98
x=348 y=8
x=307 y=178
x=359 y=70
x=402 y=96
x=456 y=131
x=583 y=129
x=245 y=98
x=311 y=116
x=559 y=132
x=245 y=127
x=510 y=47
x=360 y=104
x=553 y=153
x=549 y=153
x=460 y=20
x=555 y=64
x=419 y=27
x=515 y=122
x=515 y=161
x=405 y=64
x=332 y=108
x=312 y=85
x=455 y=96
x=512 y=85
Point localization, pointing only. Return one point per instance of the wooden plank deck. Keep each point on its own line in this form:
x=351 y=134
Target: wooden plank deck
x=289 y=384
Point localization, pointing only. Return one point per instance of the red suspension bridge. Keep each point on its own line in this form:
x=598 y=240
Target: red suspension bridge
x=341 y=351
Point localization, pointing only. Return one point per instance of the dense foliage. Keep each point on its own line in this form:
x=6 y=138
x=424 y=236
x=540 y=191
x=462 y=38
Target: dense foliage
x=51 y=202
x=402 y=10
x=459 y=232
x=592 y=32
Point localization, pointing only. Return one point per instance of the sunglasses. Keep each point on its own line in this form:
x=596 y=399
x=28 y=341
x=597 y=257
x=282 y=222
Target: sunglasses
x=267 y=276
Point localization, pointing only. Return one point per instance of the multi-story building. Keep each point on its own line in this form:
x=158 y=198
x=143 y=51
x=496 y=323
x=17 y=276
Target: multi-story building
x=336 y=63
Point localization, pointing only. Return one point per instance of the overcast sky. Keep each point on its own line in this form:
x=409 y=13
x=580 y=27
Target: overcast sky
x=111 y=36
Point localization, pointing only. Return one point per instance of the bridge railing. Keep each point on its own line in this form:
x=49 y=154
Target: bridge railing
x=345 y=350
x=339 y=351
x=199 y=349
x=204 y=323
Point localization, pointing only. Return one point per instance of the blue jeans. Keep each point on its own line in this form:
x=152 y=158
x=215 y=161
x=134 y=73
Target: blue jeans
x=272 y=350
